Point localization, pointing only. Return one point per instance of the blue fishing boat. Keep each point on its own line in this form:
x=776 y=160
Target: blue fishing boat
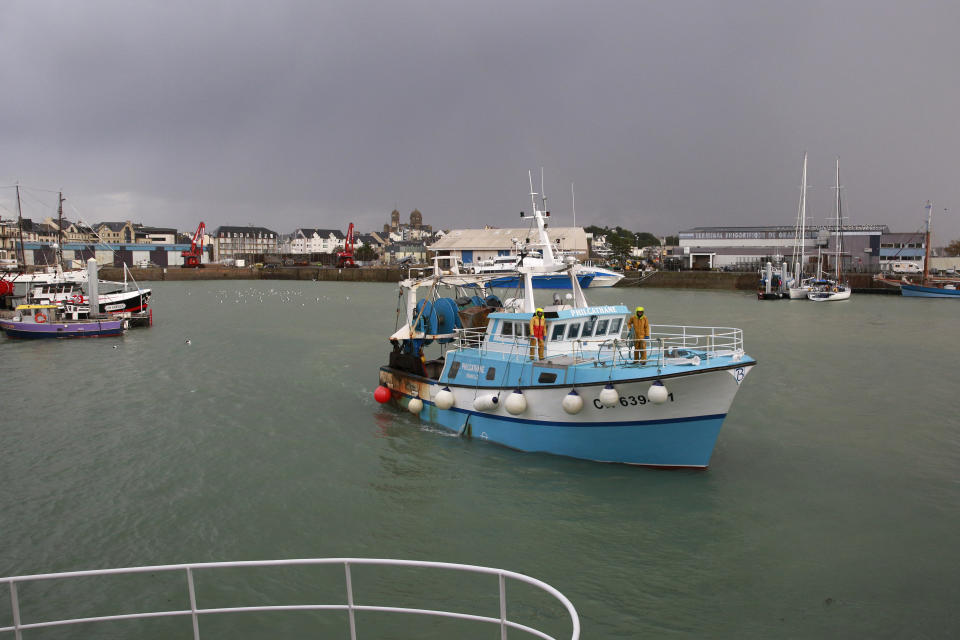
x=929 y=287
x=587 y=390
x=947 y=290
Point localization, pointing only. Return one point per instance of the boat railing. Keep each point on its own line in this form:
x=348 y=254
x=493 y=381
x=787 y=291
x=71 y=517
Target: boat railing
x=668 y=344
x=195 y=611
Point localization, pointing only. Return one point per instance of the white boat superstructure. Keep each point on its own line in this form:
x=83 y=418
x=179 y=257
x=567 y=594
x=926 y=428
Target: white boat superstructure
x=542 y=254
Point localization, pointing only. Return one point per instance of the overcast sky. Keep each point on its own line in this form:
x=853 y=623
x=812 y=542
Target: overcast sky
x=665 y=115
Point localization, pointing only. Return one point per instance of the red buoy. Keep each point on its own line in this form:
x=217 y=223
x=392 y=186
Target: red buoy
x=382 y=394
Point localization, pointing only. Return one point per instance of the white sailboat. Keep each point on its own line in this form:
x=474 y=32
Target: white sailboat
x=838 y=289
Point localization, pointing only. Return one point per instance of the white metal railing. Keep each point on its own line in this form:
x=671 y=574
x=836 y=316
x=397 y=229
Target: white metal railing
x=667 y=344
x=350 y=607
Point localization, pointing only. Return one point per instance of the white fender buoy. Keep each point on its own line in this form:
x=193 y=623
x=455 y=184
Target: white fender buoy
x=444 y=398
x=516 y=402
x=609 y=396
x=572 y=403
x=486 y=402
x=415 y=406
x=658 y=393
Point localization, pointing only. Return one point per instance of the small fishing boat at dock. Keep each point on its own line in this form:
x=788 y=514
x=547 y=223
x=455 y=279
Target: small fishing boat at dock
x=47 y=321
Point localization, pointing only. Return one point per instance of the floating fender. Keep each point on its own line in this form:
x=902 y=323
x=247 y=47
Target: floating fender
x=444 y=398
x=487 y=402
x=658 y=393
x=609 y=396
x=415 y=406
x=516 y=402
x=572 y=403
x=382 y=394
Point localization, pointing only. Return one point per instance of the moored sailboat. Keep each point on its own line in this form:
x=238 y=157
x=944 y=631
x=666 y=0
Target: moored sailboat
x=837 y=289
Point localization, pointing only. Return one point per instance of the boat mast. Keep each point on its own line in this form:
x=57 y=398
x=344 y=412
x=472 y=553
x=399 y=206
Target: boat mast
x=839 y=234
x=926 y=253
x=798 y=265
x=60 y=231
x=547 y=250
x=23 y=257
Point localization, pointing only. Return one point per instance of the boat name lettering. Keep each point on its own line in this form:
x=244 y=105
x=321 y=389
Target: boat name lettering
x=471 y=367
x=628 y=401
x=590 y=311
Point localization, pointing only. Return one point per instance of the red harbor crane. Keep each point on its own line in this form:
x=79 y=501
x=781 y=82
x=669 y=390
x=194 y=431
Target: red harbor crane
x=345 y=257
x=191 y=257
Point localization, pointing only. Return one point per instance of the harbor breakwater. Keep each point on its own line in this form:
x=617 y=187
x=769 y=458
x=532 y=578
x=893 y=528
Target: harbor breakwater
x=709 y=280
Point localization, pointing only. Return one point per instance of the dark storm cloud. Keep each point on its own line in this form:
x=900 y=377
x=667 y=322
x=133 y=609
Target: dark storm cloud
x=666 y=115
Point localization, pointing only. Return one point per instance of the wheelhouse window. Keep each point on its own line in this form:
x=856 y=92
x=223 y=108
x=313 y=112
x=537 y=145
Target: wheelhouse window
x=588 y=327
x=615 y=326
x=573 y=331
x=522 y=330
x=507 y=329
x=557 y=333
x=602 y=327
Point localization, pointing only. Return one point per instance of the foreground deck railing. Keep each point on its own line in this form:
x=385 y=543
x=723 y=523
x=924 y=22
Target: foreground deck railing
x=350 y=607
x=667 y=344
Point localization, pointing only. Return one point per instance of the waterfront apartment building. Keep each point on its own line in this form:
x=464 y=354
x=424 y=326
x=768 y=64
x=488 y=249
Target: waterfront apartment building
x=231 y=242
x=866 y=247
x=307 y=240
x=474 y=245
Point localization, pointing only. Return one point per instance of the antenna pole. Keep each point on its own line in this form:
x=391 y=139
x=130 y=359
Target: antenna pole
x=926 y=254
x=573 y=204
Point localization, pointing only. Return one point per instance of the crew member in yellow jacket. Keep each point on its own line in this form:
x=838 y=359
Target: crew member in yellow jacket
x=641 y=333
x=538 y=330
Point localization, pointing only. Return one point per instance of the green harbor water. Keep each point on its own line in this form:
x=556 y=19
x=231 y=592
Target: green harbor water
x=831 y=508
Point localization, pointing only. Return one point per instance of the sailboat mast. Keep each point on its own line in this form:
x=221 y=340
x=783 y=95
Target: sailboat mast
x=926 y=253
x=23 y=256
x=839 y=234
x=801 y=236
x=60 y=231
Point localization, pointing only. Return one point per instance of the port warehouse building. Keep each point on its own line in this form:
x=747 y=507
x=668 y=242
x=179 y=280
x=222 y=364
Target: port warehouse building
x=867 y=248
x=106 y=253
x=475 y=245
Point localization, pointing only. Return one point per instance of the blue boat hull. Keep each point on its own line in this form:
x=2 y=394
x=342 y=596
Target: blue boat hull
x=679 y=433
x=687 y=442
x=546 y=281
x=917 y=291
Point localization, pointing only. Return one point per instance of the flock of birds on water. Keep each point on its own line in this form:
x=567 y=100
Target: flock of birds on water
x=244 y=296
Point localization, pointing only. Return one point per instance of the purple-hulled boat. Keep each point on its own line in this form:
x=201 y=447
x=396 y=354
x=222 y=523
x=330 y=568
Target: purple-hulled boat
x=45 y=321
